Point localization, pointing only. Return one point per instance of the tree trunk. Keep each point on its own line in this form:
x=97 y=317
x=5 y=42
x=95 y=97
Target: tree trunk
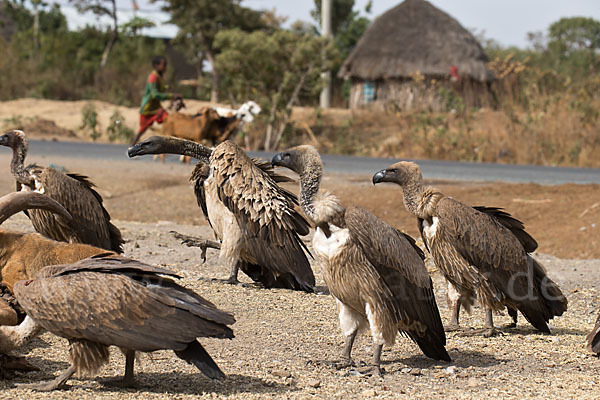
x=36 y=27
x=216 y=77
x=113 y=36
x=288 y=108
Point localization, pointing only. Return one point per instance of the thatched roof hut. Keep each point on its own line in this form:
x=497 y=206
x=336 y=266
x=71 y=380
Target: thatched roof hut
x=415 y=39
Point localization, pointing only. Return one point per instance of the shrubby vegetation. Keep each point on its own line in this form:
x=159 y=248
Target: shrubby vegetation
x=547 y=96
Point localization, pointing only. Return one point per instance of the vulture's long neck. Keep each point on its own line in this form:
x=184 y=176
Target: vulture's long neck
x=420 y=200
x=17 y=165
x=310 y=181
x=187 y=148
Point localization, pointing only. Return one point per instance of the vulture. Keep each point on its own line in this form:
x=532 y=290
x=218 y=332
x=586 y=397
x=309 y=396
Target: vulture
x=137 y=308
x=91 y=222
x=482 y=250
x=253 y=217
x=375 y=272
x=593 y=339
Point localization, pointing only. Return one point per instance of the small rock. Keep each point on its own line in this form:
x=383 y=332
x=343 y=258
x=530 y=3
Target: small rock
x=473 y=382
x=281 y=373
x=416 y=372
x=368 y=393
x=405 y=370
x=314 y=383
x=450 y=370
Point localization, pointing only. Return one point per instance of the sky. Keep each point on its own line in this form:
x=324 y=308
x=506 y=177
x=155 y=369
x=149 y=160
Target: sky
x=506 y=21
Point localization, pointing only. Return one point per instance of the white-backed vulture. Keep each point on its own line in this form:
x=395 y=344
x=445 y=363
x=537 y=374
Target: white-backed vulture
x=252 y=216
x=481 y=250
x=109 y=300
x=375 y=272
x=593 y=338
x=75 y=192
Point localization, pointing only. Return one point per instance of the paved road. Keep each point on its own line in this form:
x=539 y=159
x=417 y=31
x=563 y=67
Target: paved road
x=445 y=170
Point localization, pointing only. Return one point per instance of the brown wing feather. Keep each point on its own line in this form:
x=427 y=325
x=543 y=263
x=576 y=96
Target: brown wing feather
x=489 y=246
x=514 y=225
x=264 y=211
x=91 y=222
x=403 y=272
x=137 y=311
x=593 y=338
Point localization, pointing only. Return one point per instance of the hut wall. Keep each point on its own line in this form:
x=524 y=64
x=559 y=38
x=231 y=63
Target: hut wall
x=406 y=94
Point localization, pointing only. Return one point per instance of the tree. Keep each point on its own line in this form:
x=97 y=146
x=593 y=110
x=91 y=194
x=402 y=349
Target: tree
x=347 y=25
x=199 y=21
x=574 y=43
x=102 y=8
x=273 y=68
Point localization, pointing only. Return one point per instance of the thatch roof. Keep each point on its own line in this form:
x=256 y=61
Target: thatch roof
x=416 y=37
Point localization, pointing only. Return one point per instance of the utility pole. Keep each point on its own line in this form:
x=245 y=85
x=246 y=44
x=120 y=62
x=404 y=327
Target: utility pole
x=325 y=99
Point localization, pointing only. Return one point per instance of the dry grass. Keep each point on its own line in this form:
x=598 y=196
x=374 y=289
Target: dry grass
x=558 y=132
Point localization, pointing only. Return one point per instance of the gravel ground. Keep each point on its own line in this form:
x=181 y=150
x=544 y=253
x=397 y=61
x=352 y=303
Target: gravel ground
x=284 y=340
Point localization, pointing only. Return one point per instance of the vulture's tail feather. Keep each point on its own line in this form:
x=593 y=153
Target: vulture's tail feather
x=195 y=354
x=431 y=346
x=550 y=301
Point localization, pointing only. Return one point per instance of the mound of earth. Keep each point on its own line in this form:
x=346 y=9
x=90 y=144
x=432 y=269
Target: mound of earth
x=45 y=127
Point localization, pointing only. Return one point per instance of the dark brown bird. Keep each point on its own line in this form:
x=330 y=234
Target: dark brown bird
x=593 y=338
x=375 y=272
x=75 y=192
x=252 y=216
x=109 y=300
x=481 y=250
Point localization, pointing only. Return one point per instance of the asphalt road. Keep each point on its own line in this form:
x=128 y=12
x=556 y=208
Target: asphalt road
x=443 y=170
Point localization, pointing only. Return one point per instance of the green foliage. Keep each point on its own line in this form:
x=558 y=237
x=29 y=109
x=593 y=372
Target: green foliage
x=135 y=25
x=117 y=130
x=274 y=69
x=89 y=121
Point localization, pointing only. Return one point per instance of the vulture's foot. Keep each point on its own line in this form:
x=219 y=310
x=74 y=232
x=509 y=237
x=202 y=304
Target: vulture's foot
x=46 y=386
x=230 y=281
x=512 y=325
x=488 y=332
x=371 y=370
x=451 y=327
x=343 y=363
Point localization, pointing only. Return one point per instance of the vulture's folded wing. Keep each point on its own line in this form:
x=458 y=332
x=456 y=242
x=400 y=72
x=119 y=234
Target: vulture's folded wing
x=114 y=309
x=401 y=268
x=265 y=213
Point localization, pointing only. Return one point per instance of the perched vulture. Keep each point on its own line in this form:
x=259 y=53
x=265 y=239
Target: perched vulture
x=375 y=272
x=593 y=338
x=75 y=192
x=252 y=216
x=109 y=300
x=481 y=250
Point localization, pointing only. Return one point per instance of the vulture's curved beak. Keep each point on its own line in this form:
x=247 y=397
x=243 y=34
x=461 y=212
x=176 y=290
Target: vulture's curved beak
x=4 y=140
x=135 y=150
x=380 y=177
x=277 y=160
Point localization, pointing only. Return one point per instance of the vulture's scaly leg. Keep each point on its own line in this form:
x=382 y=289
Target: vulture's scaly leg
x=375 y=367
x=235 y=267
x=346 y=360
x=490 y=330
x=51 y=385
x=454 y=302
x=128 y=379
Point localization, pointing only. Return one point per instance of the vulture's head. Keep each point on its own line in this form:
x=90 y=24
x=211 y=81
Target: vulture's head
x=300 y=159
x=401 y=173
x=152 y=145
x=14 y=139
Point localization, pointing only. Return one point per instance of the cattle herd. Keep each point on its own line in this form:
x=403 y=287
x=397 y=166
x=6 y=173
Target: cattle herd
x=70 y=278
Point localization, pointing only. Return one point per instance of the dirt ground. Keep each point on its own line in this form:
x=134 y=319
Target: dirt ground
x=284 y=339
